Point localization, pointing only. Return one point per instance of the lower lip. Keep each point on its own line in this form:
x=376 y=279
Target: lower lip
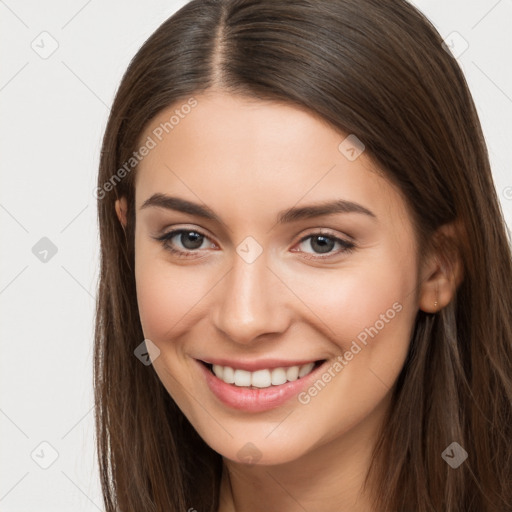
x=255 y=400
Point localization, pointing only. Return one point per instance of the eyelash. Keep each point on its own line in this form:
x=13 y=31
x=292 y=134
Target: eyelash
x=347 y=247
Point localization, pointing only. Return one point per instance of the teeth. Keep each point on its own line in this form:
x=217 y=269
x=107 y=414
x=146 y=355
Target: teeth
x=261 y=378
x=278 y=376
x=304 y=370
x=242 y=378
x=228 y=376
x=218 y=370
x=292 y=373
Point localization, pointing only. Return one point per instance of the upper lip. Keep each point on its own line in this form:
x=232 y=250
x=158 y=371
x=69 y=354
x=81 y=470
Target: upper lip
x=261 y=364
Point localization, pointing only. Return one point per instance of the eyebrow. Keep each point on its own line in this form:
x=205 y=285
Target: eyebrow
x=290 y=215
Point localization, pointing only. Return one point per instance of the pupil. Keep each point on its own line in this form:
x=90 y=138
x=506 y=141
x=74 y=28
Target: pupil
x=325 y=244
x=191 y=240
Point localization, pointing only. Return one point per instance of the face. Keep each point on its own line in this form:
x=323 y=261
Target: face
x=276 y=273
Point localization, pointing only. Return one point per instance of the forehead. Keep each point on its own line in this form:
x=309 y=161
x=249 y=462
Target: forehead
x=244 y=131
x=253 y=156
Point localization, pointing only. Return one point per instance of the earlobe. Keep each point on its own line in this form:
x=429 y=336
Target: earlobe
x=437 y=291
x=121 y=210
x=441 y=273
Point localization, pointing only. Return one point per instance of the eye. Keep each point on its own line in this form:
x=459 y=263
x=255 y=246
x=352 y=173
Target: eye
x=184 y=242
x=322 y=245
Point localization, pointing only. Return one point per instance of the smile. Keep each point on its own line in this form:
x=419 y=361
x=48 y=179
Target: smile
x=266 y=387
x=261 y=378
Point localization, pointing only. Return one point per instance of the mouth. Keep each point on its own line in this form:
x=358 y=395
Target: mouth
x=262 y=378
x=261 y=385
x=272 y=384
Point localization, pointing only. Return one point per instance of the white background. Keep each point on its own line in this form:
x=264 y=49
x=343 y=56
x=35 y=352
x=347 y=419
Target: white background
x=53 y=113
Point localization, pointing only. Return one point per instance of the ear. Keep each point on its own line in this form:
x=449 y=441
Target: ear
x=441 y=271
x=121 y=210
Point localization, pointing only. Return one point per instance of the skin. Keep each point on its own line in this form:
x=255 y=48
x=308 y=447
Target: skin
x=247 y=160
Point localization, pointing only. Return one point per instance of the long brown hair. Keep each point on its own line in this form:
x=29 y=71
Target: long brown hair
x=376 y=69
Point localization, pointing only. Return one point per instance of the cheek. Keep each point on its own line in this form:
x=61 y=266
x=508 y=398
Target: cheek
x=165 y=292
x=367 y=311
x=166 y=296
x=381 y=307
x=356 y=300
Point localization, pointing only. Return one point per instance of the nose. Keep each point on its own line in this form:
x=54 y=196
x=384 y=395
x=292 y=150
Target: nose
x=251 y=302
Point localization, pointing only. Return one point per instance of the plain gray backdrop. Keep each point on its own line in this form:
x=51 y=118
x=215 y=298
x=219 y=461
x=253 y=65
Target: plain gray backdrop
x=61 y=63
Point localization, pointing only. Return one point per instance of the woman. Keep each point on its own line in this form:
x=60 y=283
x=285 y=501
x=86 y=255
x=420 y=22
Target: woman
x=299 y=230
